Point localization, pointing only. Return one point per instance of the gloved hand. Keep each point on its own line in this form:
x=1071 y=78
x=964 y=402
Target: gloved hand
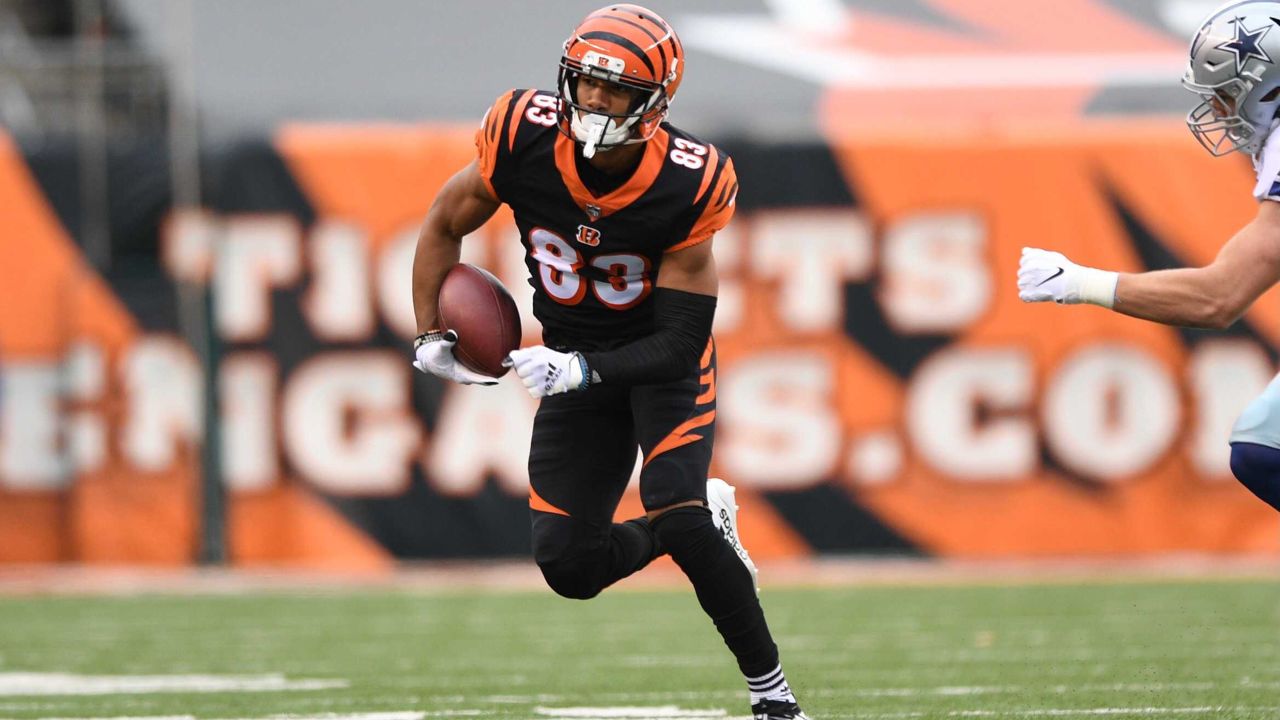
x=1046 y=275
x=549 y=372
x=434 y=353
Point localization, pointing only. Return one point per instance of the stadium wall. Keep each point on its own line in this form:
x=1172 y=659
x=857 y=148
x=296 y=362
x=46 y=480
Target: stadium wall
x=881 y=388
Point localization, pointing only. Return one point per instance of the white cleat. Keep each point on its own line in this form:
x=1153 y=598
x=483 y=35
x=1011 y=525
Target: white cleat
x=724 y=513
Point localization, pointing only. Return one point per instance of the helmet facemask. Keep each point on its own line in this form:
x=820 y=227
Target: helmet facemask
x=603 y=131
x=628 y=46
x=1217 y=122
x=1233 y=69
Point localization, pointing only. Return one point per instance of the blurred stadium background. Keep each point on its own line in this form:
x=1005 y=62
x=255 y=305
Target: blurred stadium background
x=208 y=215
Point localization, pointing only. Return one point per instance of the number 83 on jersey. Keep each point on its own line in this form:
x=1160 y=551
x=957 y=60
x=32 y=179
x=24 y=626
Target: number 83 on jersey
x=559 y=266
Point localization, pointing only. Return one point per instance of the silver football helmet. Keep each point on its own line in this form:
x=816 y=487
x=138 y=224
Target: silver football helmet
x=1233 y=69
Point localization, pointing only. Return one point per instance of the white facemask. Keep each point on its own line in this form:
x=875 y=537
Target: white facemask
x=593 y=130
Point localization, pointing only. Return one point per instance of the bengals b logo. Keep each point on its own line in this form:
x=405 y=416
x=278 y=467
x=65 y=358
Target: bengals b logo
x=588 y=235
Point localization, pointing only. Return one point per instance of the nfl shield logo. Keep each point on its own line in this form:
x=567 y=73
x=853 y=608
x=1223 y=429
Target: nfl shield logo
x=594 y=211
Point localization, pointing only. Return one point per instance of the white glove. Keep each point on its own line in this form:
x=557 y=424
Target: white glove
x=548 y=372
x=1047 y=275
x=434 y=352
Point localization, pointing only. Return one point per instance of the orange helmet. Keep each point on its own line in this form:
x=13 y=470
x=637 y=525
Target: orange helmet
x=629 y=46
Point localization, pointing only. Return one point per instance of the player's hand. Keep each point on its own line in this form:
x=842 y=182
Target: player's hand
x=1046 y=275
x=434 y=355
x=548 y=372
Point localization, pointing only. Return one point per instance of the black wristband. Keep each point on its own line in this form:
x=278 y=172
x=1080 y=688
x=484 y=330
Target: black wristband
x=426 y=337
x=682 y=325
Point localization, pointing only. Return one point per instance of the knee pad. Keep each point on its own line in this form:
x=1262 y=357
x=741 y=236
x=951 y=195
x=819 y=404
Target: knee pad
x=1257 y=467
x=573 y=561
x=684 y=530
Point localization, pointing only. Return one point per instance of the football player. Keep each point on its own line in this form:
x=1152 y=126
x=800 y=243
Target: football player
x=1233 y=70
x=616 y=210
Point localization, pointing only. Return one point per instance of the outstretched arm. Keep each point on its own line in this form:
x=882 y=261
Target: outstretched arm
x=1217 y=294
x=1213 y=296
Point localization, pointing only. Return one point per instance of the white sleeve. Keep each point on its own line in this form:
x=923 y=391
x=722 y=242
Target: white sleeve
x=1267 y=165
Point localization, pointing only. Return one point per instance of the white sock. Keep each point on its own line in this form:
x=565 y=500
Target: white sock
x=770 y=686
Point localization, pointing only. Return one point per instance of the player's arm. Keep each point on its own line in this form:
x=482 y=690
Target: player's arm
x=684 y=302
x=684 y=305
x=1217 y=294
x=462 y=205
x=1213 y=296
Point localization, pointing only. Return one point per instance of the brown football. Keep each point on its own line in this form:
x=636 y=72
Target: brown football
x=475 y=305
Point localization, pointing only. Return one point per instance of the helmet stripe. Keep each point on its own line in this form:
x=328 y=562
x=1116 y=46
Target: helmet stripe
x=657 y=40
x=636 y=25
x=622 y=42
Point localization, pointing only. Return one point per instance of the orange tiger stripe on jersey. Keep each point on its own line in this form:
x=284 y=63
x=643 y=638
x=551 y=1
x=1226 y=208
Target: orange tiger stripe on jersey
x=655 y=153
x=537 y=503
x=487 y=138
x=708 y=172
x=521 y=104
x=718 y=212
x=682 y=435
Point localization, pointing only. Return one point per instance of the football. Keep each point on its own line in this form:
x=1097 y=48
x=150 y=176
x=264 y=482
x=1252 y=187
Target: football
x=474 y=304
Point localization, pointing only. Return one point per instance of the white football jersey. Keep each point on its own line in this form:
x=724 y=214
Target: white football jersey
x=1267 y=164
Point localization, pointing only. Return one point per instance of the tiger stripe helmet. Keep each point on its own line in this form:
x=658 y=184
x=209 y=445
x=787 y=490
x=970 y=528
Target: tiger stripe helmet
x=627 y=45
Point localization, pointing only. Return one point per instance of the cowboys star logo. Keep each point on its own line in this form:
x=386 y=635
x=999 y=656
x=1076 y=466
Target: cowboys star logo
x=1246 y=44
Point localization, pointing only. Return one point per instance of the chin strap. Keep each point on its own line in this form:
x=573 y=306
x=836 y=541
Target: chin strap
x=596 y=126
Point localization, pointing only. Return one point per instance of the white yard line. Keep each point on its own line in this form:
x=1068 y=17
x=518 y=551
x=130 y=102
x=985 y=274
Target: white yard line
x=325 y=716
x=590 y=713
x=895 y=692
x=672 y=712
x=1210 y=710
x=43 y=684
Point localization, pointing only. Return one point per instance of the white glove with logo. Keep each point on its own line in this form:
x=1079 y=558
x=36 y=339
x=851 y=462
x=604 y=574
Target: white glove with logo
x=434 y=353
x=549 y=372
x=1046 y=275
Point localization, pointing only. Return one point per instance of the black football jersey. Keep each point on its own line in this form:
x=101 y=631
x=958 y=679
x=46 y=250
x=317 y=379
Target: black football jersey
x=593 y=260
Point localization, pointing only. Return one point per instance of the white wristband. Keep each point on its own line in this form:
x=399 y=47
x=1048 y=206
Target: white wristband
x=1098 y=287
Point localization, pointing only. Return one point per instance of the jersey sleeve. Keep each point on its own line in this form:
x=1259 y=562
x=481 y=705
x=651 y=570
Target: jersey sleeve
x=496 y=139
x=1267 y=165
x=715 y=202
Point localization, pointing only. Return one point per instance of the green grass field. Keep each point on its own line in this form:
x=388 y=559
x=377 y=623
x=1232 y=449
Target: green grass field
x=1140 y=650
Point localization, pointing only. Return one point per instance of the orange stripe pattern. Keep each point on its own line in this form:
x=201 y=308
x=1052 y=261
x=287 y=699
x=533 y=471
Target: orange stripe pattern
x=683 y=434
x=719 y=209
x=655 y=153
x=488 y=135
x=516 y=116
x=537 y=503
x=638 y=36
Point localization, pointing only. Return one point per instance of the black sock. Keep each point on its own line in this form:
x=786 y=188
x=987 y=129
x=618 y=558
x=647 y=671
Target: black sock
x=722 y=583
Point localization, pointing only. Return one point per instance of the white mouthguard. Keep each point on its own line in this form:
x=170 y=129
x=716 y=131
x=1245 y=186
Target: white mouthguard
x=596 y=126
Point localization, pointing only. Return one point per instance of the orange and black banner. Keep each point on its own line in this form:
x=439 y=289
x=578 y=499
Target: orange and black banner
x=881 y=388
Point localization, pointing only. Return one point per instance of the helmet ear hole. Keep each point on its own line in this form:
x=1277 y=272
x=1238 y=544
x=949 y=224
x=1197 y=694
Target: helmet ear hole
x=1275 y=93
